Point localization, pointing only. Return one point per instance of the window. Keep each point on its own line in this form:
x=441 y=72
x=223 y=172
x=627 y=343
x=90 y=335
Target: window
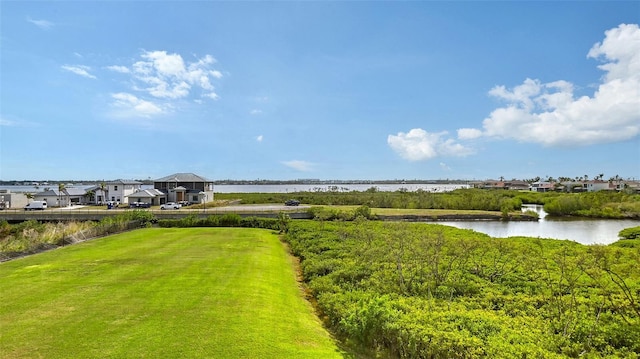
x=115 y=188
x=194 y=199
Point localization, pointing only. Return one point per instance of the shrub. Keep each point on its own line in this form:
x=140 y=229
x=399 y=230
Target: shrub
x=630 y=233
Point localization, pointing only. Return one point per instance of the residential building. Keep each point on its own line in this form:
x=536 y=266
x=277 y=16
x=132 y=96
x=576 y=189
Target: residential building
x=12 y=200
x=185 y=187
x=597 y=185
x=67 y=197
x=153 y=196
x=115 y=191
x=542 y=186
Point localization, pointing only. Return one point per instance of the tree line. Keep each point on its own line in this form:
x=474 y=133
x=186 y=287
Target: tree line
x=602 y=204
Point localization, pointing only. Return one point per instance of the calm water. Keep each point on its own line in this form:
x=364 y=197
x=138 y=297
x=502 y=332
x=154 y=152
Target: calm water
x=582 y=231
x=287 y=188
x=283 y=188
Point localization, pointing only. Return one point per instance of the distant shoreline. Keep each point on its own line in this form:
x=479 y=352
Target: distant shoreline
x=248 y=182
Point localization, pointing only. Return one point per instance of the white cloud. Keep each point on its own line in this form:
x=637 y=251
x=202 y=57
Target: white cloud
x=16 y=122
x=43 y=24
x=550 y=114
x=79 y=70
x=164 y=75
x=8 y=123
x=303 y=166
x=129 y=105
x=255 y=111
x=444 y=166
x=259 y=138
x=215 y=73
x=468 y=133
x=120 y=69
x=211 y=95
x=161 y=79
x=418 y=145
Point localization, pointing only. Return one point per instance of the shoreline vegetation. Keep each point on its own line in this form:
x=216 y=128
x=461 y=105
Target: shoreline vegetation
x=601 y=204
x=409 y=290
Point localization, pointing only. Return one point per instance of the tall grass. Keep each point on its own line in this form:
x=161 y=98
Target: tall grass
x=33 y=236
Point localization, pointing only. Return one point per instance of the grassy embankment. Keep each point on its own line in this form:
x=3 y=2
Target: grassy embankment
x=160 y=293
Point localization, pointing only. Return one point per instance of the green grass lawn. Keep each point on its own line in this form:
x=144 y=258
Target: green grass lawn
x=160 y=293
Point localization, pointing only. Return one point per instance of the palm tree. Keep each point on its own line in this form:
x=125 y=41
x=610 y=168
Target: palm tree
x=103 y=188
x=29 y=196
x=61 y=189
x=91 y=194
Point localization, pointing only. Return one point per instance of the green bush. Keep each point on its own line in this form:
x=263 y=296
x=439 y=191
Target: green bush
x=630 y=233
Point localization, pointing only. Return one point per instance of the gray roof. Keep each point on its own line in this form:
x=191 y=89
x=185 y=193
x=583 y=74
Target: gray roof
x=146 y=193
x=71 y=191
x=183 y=177
x=121 y=181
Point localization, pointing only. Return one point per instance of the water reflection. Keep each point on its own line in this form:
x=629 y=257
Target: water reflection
x=595 y=231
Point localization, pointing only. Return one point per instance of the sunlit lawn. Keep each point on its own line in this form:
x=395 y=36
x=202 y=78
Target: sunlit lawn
x=160 y=293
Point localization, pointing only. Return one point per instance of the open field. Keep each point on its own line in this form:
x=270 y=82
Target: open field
x=160 y=293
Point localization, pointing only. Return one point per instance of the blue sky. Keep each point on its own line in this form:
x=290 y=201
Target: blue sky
x=327 y=90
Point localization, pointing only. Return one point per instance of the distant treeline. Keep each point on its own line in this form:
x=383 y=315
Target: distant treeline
x=602 y=204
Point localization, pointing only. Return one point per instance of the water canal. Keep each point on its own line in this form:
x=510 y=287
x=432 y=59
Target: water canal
x=585 y=231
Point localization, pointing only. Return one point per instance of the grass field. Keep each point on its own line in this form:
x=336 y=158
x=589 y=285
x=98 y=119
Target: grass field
x=160 y=293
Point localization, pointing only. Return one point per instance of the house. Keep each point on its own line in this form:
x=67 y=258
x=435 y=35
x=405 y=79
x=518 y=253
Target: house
x=12 y=200
x=542 y=186
x=67 y=197
x=153 y=196
x=516 y=185
x=597 y=185
x=115 y=191
x=185 y=187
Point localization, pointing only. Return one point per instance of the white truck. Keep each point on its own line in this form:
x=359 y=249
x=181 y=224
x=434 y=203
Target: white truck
x=36 y=205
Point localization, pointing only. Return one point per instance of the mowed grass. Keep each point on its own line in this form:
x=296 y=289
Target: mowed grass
x=160 y=293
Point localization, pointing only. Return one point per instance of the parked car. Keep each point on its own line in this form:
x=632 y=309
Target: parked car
x=139 y=205
x=170 y=205
x=292 y=202
x=36 y=205
x=112 y=205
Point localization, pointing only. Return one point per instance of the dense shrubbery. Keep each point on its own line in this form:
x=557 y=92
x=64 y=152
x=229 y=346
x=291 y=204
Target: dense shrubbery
x=602 y=204
x=333 y=214
x=225 y=220
x=431 y=291
x=463 y=199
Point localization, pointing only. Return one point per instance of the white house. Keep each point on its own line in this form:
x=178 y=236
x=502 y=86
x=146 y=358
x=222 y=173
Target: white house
x=596 y=185
x=115 y=191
